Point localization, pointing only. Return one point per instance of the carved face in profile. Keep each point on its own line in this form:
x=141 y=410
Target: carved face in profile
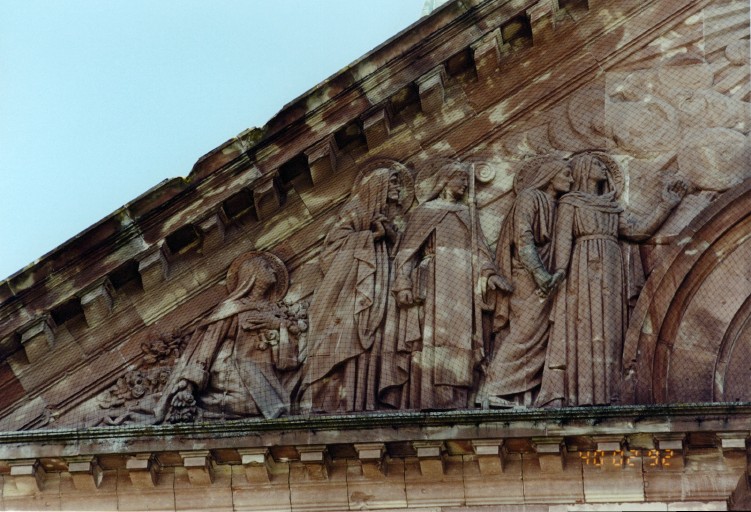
x=395 y=187
x=562 y=181
x=456 y=186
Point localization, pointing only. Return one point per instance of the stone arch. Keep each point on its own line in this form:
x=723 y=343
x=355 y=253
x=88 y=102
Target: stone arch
x=689 y=338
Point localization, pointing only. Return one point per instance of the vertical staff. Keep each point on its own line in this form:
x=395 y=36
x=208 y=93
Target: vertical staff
x=477 y=287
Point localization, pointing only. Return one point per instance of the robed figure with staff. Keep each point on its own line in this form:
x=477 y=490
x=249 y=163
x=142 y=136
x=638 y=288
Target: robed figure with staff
x=443 y=269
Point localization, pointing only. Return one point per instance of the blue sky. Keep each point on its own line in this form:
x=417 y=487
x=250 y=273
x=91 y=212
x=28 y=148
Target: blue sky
x=101 y=100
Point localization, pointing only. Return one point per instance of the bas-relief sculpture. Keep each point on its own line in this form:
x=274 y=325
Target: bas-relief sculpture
x=349 y=307
x=239 y=359
x=444 y=272
x=583 y=361
x=524 y=253
x=413 y=310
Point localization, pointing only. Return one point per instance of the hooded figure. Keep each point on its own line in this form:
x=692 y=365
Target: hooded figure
x=232 y=366
x=524 y=252
x=349 y=306
x=435 y=335
x=584 y=357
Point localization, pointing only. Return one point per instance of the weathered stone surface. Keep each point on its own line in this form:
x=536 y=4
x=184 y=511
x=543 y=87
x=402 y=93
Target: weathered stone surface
x=396 y=354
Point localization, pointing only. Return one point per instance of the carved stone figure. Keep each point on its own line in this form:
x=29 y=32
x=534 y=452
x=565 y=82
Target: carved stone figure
x=584 y=359
x=524 y=252
x=442 y=273
x=349 y=306
x=238 y=359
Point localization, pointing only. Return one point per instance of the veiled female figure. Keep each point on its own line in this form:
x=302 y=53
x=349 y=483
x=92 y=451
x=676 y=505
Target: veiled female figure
x=349 y=306
x=584 y=359
x=237 y=360
x=524 y=252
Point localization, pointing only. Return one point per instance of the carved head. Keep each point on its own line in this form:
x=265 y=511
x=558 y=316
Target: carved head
x=450 y=181
x=540 y=172
x=259 y=272
x=596 y=173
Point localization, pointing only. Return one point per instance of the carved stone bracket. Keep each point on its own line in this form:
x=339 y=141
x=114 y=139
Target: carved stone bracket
x=490 y=455
x=38 y=338
x=371 y=459
x=733 y=440
x=199 y=466
x=551 y=452
x=28 y=475
x=256 y=462
x=430 y=455
x=97 y=301
x=212 y=231
x=267 y=197
x=487 y=54
x=430 y=87
x=542 y=19
x=143 y=469
x=153 y=268
x=86 y=472
x=377 y=127
x=322 y=159
x=315 y=458
x=676 y=442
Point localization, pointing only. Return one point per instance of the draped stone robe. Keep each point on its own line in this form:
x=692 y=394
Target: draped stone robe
x=521 y=319
x=436 y=343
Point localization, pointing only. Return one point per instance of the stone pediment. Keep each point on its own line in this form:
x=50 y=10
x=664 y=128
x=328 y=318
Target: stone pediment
x=105 y=318
x=510 y=211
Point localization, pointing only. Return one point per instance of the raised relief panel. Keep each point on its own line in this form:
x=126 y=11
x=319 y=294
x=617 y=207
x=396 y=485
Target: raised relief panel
x=348 y=311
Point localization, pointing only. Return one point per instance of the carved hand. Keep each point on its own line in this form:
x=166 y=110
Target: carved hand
x=496 y=282
x=674 y=192
x=377 y=226
x=556 y=280
x=404 y=298
x=543 y=280
x=261 y=320
x=184 y=396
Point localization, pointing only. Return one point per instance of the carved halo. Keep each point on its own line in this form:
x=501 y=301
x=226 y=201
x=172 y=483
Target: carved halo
x=615 y=175
x=280 y=269
x=387 y=163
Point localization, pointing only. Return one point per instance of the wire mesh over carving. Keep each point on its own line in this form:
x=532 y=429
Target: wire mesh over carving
x=593 y=252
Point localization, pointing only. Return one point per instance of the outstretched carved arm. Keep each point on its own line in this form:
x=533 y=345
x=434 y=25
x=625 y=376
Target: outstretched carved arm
x=639 y=229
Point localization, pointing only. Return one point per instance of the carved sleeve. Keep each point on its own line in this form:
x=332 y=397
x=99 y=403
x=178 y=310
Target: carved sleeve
x=524 y=217
x=564 y=236
x=639 y=229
